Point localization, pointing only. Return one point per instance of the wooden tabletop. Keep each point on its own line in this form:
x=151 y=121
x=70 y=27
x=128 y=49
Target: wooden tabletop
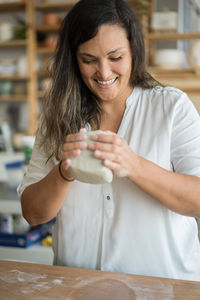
x=19 y=281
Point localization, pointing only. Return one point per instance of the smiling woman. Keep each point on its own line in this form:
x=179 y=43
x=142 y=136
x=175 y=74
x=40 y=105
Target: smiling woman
x=147 y=135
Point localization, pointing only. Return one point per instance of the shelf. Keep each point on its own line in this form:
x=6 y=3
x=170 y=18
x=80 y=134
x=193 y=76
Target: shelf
x=186 y=79
x=175 y=73
x=13 y=43
x=12 y=7
x=173 y=36
x=43 y=73
x=187 y=85
x=13 y=98
x=181 y=86
x=15 y=77
x=47 y=28
x=45 y=50
x=59 y=6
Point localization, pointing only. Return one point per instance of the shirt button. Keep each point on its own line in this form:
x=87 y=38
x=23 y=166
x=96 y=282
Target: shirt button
x=108 y=197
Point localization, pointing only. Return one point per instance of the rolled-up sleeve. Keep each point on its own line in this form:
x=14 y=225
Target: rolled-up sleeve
x=185 y=141
x=39 y=166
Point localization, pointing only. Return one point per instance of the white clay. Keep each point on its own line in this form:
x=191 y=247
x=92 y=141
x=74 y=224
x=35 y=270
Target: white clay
x=89 y=169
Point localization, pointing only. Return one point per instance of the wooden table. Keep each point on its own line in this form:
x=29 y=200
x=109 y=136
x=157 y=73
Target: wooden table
x=19 y=281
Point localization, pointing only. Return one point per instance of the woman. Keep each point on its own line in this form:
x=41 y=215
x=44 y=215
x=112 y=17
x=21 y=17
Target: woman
x=143 y=222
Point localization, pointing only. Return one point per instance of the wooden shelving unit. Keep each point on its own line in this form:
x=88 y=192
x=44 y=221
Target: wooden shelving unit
x=12 y=7
x=13 y=98
x=47 y=28
x=186 y=79
x=45 y=50
x=28 y=45
x=58 y=6
x=181 y=73
x=13 y=43
x=173 y=36
x=15 y=77
x=33 y=49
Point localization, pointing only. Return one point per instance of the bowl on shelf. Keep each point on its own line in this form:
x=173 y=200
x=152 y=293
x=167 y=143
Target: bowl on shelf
x=169 y=58
x=51 y=19
x=6 y=87
x=14 y=173
x=194 y=54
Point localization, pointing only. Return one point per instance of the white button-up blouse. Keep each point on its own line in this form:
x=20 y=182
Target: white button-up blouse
x=117 y=226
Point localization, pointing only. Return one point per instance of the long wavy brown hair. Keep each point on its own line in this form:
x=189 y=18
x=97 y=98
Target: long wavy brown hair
x=69 y=104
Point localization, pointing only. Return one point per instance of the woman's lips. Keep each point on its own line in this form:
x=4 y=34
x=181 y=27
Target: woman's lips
x=106 y=83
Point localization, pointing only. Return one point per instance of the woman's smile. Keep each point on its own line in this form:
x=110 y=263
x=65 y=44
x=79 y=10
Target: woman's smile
x=106 y=83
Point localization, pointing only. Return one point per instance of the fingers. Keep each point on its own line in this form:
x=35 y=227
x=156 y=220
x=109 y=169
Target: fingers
x=106 y=143
x=108 y=147
x=106 y=137
x=116 y=168
x=69 y=146
x=110 y=156
x=73 y=145
x=75 y=137
x=113 y=151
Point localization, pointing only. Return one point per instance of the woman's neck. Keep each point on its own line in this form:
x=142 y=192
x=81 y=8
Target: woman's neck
x=112 y=114
x=111 y=118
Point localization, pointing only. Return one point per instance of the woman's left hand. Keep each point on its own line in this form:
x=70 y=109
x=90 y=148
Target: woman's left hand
x=115 y=153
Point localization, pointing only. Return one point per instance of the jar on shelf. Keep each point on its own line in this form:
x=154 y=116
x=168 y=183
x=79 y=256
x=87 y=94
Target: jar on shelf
x=19 y=88
x=6 y=223
x=14 y=173
x=50 y=19
x=7 y=66
x=194 y=54
x=22 y=65
x=28 y=143
x=6 y=87
x=6 y=31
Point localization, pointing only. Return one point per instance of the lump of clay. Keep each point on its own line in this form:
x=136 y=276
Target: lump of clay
x=89 y=169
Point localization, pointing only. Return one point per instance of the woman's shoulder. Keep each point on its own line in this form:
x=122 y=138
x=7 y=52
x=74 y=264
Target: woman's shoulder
x=163 y=98
x=167 y=94
x=167 y=91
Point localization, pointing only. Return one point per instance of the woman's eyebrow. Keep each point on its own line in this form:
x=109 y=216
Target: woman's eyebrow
x=113 y=51
x=110 y=52
x=86 y=54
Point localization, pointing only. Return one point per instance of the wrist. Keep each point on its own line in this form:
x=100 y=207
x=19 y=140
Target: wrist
x=135 y=169
x=64 y=177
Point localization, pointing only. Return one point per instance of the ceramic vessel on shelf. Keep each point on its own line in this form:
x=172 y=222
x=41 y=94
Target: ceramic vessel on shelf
x=6 y=87
x=22 y=66
x=50 y=19
x=194 y=54
x=6 y=31
x=169 y=58
x=7 y=66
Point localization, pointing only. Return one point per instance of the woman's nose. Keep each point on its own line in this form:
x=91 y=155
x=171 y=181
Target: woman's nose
x=104 y=71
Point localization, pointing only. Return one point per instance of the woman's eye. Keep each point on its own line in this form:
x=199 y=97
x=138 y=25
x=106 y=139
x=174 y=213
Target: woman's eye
x=87 y=61
x=116 y=58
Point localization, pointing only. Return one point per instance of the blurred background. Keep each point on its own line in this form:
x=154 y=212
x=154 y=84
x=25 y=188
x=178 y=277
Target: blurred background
x=28 y=38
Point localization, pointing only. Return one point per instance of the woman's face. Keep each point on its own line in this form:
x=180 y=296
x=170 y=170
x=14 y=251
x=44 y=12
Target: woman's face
x=105 y=63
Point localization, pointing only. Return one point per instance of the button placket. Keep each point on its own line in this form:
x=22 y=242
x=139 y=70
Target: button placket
x=108 y=199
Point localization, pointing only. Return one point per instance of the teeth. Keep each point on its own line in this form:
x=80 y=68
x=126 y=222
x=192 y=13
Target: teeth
x=106 y=82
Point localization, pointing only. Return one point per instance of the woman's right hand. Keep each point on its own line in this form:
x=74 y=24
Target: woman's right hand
x=72 y=147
